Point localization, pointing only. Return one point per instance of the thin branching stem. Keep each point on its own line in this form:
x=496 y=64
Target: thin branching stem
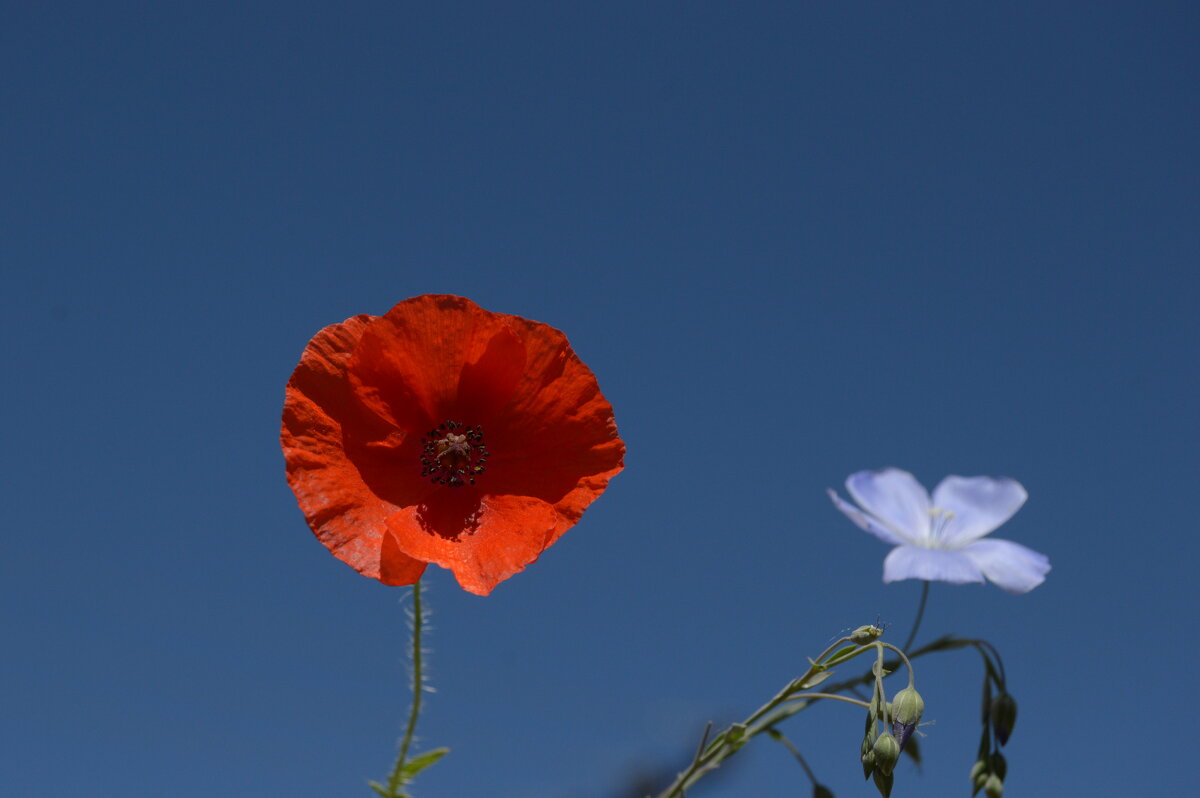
x=765 y=717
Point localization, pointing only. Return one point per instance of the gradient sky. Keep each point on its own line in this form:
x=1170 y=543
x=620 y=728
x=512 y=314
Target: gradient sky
x=793 y=240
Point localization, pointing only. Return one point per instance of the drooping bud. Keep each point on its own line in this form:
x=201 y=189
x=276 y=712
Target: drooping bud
x=1004 y=716
x=821 y=791
x=868 y=755
x=993 y=787
x=907 y=708
x=887 y=753
x=979 y=776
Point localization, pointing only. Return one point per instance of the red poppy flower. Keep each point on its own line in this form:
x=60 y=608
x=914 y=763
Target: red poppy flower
x=443 y=433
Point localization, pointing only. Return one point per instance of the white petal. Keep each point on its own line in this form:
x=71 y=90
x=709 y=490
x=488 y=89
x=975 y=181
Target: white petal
x=895 y=498
x=1009 y=565
x=865 y=521
x=980 y=504
x=932 y=565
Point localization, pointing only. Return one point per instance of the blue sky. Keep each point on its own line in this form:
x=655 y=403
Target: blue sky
x=793 y=240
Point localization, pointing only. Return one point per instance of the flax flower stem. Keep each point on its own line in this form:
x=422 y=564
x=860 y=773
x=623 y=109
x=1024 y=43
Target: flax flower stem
x=920 y=614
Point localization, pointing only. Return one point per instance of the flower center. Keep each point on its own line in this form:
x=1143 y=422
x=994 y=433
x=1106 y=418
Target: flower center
x=453 y=454
x=941 y=519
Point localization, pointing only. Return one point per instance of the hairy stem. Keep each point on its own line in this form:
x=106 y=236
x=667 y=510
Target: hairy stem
x=395 y=779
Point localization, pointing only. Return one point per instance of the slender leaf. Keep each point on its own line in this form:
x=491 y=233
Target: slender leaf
x=418 y=763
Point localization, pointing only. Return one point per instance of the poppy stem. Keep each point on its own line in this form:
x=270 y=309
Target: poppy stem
x=920 y=614
x=395 y=780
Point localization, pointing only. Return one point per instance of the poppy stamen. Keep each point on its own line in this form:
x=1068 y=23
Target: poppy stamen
x=453 y=454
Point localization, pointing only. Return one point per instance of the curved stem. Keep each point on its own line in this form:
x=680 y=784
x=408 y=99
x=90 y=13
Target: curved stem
x=920 y=614
x=831 y=697
x=904 y=657
x=878 y=672
x=999 y=662
x=394 y=779
x=778 y=737
x=766 y=716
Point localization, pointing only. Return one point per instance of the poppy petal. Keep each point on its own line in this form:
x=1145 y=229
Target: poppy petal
x=343 y=512
x=503 y=535
x=411 y=365
x=979 y=504
x=559 y=441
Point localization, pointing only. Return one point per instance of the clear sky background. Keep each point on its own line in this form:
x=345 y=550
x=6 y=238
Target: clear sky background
x=793 y=240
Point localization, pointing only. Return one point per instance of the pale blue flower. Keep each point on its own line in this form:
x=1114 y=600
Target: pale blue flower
x=941 y=540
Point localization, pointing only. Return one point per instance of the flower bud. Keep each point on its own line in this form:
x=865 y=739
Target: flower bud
x=1004 y=716
x=993 y=787
x=868 y=757
x=907 y=708
x=979 y=775
x=887 y=753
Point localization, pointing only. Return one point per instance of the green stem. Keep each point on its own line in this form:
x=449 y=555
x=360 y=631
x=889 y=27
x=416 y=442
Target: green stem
x=778 y=737
x=903 y=656
x=394 y=780
x=878 y=671
x=999 y=662
x=946 y=643
x=709 y=757
x=831 y=697
x=920 y=614
x=764 y=718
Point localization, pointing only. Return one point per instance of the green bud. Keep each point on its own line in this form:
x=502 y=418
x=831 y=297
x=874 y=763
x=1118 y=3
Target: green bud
x=999 y=765
x=887 y=752
x=865 y=634
x=907 y=708
x=993 y=787
x=868 y=756
x=979 y=775
x=821 y=791
x=1004 y=716
x=980 y=780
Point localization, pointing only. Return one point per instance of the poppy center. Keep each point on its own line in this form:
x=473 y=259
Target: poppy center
x=453 y=454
